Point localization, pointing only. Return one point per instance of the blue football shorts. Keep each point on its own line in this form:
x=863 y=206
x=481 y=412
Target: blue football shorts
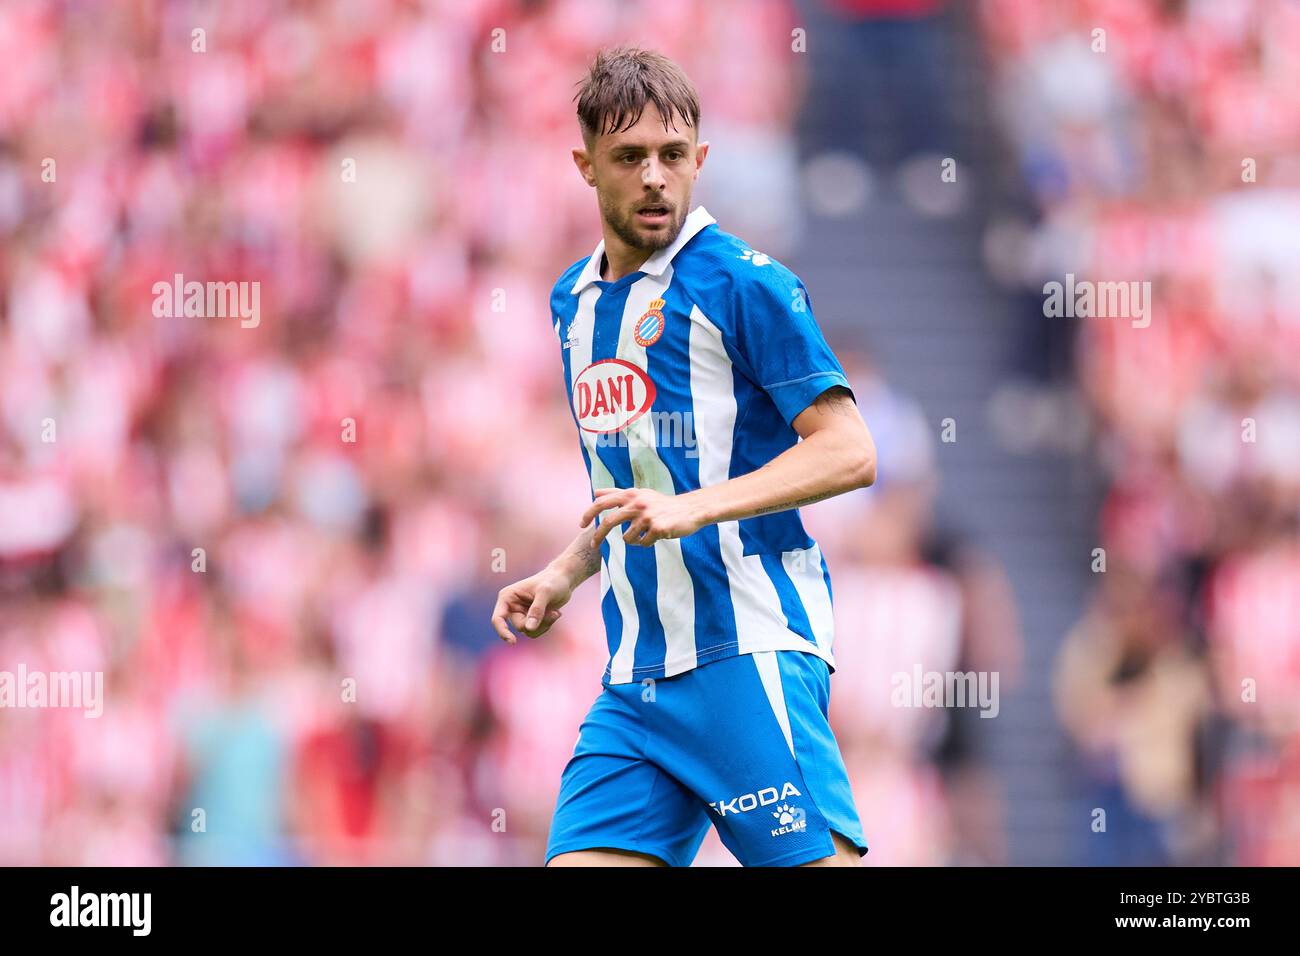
x=743 y=743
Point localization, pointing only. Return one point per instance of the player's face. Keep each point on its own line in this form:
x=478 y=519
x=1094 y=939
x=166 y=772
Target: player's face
x=643 y=178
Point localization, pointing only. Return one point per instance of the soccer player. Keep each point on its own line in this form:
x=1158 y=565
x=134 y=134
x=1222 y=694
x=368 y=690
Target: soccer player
x=694 y=367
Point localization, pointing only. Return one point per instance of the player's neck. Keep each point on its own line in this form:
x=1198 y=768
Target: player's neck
x=620 y=260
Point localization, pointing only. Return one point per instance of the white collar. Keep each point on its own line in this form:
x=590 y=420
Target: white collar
x=654 y=266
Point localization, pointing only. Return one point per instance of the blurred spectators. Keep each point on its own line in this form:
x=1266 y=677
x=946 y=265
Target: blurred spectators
x=280 y=543
x=1159 y=142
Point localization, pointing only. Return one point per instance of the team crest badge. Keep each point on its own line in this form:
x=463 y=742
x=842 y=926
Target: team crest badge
x=651 y=325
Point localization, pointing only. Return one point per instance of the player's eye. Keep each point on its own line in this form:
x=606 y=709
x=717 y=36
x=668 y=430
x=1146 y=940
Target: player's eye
x=675 y=154
x=629 y=158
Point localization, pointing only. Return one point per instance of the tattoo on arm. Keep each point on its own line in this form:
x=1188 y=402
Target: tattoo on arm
x=794 y=504
x=590 y=558
x=588 y=555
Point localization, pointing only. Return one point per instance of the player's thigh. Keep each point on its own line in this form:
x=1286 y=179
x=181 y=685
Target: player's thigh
x=846 y=854
x=605 y=856
x=622 y=811
x=616 y=804
x=750 y=736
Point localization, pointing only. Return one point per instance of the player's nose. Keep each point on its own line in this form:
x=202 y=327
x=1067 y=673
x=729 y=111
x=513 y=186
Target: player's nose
x=652 y=173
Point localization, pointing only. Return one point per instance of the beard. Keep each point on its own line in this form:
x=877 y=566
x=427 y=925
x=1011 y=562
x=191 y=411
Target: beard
x=625 y=227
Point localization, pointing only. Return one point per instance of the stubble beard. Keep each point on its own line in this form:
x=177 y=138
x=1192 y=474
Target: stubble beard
x=624 y=226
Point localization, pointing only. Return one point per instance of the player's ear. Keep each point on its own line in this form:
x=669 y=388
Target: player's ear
x=582 y=160
x=701 y=151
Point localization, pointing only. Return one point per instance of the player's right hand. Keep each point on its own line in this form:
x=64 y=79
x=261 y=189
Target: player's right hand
x=532 y=605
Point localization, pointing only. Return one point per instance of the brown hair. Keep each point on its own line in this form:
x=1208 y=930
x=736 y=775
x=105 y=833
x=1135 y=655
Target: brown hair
x=622 y=81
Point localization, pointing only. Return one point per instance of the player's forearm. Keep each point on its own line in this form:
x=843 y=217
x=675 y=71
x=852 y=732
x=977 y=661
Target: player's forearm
x=823 y=465
x=581 y=559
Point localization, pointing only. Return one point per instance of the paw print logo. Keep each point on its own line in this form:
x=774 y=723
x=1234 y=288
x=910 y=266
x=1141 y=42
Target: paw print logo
x=757 y=258
x=785 y=814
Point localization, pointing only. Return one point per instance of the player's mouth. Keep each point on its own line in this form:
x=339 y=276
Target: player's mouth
x=654 y=214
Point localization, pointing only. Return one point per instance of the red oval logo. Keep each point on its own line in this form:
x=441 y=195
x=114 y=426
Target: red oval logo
x=611 y=394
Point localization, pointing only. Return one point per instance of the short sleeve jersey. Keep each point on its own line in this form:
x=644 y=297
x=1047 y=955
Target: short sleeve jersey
x=682 y=375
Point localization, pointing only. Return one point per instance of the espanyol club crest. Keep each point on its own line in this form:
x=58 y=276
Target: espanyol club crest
x=611 y=394
x=651 y=325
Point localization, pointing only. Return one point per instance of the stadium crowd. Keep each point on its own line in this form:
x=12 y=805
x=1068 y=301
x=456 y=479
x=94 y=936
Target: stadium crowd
x=280 y=542
x=1159 y=143
x=279 y=539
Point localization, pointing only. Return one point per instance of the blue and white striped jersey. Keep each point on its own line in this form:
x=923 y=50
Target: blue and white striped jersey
x=682 y=375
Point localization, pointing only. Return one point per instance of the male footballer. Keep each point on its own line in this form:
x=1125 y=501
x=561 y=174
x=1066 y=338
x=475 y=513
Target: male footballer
x=694 y=366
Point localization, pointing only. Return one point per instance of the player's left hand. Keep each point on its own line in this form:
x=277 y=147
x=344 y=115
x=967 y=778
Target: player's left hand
x=652 y=516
